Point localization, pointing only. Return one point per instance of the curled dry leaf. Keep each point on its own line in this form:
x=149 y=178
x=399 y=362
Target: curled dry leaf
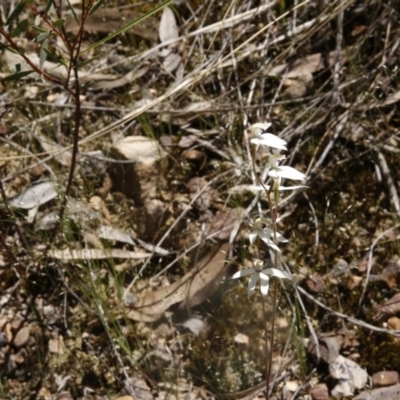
x=389 y=309
x=329 y=348
x=109 y=233
x=168 y=30
x=192 y=289
x=61 y=155
x=305 y=66
x=35 y=196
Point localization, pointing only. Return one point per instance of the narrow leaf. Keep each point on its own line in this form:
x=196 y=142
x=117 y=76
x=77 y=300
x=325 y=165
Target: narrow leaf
x=16 y=76
x=48 y=6
x=59 y=22
x=42 y=36
x=54 y=57
x=43 y=53
x=96 y=6
x=21 y=27
x=2 y=15
x=15 y=13
x=71 y=7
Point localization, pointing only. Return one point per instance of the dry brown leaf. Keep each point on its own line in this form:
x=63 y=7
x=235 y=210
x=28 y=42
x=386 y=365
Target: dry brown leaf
x=96 y=254
x=329 y=348
x=192 y=289
x=168 y=29
x=223 y=223
x=393 y=98
x=35 y=195
x=307 y=65
x=389 y=309
x=107 y=20
x=63 y=156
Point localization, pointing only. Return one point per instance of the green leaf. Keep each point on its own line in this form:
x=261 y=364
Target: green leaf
x=128 y=26
x=2 y=15
x=48 y=6
x=43 y=52
x=59 y=22
x=42 y=36
x=11 y=49
x=54 y=57
x=71 y=7
x=17 y=75
x=87 y=61
x=21 y=27
x=96 y=6
x=15 y=13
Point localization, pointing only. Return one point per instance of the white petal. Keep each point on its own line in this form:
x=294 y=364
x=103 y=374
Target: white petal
x=272 y=245
x=255 y=188
x=265 y=236
x=243 y=272
x=264 y=284
x=270 y=140
x=276 y=272
x=283 y=188
x=257 y=129
x=286 y=172
x=279 y=237
x=252 y=284
x=253 y=236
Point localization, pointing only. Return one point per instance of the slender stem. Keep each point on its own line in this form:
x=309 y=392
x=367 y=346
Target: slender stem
x=272 y=336
x=267 y=354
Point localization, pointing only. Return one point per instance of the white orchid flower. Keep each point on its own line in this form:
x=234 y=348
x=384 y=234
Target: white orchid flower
x=262 y=275
x=263 y=138
x=278 y=171
x=265 y=234
x=286 y=172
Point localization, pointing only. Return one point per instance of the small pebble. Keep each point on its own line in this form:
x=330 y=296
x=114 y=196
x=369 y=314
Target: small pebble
x=385 y=378
x=22 y=337
x=320 y=392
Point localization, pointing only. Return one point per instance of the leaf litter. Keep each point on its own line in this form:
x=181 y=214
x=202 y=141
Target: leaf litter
x=232 y=66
